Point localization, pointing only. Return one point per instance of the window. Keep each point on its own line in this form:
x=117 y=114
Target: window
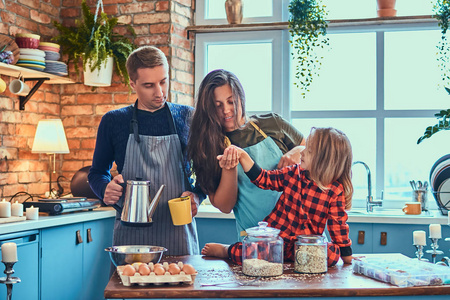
x=378 y=84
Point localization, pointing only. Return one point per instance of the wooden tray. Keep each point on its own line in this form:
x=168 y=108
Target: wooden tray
x=10 y=46
x=12 y=219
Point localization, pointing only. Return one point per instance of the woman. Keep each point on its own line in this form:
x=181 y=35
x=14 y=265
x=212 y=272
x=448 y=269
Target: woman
x=220 y=120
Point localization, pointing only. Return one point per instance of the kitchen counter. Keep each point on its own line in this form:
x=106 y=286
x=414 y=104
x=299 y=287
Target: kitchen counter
x=339 y=281
x=46 y=221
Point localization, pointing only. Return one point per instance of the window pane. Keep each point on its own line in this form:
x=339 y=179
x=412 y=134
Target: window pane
x=347 y=78
x=405 y=160
x=412 y=73
x=215 y=9
x=359 y=9
x=252 y=64
x=361 y=133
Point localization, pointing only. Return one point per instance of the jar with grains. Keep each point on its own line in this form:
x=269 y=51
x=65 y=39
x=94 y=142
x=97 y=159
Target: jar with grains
x=262 y=251
x=311 y=254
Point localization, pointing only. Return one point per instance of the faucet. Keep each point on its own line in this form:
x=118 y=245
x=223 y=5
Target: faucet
x=370 y=203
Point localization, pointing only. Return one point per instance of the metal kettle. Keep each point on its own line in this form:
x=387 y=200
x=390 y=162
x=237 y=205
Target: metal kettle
x=138 y=207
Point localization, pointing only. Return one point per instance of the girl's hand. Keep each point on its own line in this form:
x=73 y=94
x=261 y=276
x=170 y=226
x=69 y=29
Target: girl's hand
x=230 y=157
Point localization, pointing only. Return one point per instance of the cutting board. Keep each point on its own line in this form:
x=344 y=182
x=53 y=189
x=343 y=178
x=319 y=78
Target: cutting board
x=12 y=219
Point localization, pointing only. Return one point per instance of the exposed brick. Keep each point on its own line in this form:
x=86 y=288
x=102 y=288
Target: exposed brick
x=77 y=110
x=18 y=9
x=29 y=25
x=39 y=17
x=162 y=5
x=140 y=7
x=151 y=18
x=160 y=28
x=94 y=98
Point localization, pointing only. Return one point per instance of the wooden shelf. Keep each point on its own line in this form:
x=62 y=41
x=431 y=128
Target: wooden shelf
x=428 y=19
x=16 y=71
x=31 y=75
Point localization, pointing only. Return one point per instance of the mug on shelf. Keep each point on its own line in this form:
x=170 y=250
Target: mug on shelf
x=19 y=87
x=412 y=208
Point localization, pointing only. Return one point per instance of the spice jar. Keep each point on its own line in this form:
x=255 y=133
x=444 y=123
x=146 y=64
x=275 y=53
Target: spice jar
x=311 y=254
x=262 y=251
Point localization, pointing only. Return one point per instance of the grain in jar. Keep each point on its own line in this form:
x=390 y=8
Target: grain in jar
x=310 y=254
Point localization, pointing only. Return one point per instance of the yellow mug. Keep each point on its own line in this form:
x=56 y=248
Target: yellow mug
x=2 y=85
x=180 y=210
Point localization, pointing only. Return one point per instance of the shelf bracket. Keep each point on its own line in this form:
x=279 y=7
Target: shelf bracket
x=24 y=99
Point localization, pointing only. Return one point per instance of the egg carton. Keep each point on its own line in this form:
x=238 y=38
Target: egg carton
x=153 y=279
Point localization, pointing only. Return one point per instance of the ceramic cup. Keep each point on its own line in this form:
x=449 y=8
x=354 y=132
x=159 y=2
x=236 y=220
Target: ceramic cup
x=18 y=87
x=180 y=210
x=412 y=208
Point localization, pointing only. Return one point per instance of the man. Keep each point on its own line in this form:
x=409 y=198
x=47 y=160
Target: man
x=147 y=141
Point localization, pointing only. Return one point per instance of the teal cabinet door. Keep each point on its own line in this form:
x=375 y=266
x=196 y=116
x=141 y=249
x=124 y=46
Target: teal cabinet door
x=27 y=266
x=61 y=262
x=361 y=236
x=96 y=261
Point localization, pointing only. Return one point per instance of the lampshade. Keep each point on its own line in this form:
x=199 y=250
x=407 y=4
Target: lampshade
x=50 y=137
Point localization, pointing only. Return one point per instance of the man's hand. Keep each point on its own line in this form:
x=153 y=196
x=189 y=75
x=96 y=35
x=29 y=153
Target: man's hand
x=195 y=201
x=113 y=190
x=291 y=158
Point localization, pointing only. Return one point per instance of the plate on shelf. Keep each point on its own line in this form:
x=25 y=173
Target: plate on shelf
x=10 y=46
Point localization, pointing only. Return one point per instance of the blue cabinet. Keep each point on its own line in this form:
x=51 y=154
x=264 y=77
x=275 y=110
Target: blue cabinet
x=27 y=266
x=74 y=263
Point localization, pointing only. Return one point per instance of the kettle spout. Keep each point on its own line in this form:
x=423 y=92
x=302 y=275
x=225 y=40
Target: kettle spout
x=154 y=202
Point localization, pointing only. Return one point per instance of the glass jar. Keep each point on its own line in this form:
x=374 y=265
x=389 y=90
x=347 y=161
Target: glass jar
x=262 y=251
x=311 y=254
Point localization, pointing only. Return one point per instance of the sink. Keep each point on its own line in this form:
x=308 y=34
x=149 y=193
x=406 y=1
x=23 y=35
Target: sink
x=380 y=212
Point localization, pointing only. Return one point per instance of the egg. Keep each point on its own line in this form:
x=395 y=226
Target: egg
x=136 y=265
x=174 y=269
x=128 y=270
x=159 y=270
x=188 y=269
x=144 y=269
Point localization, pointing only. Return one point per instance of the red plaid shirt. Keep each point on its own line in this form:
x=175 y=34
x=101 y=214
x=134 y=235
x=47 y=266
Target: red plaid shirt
x=303 y=208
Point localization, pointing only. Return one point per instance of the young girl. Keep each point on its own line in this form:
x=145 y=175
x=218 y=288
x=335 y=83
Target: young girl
x=315 y=193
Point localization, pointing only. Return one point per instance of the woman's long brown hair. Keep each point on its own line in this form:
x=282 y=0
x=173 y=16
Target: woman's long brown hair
x=331 y=160
x=207 y=137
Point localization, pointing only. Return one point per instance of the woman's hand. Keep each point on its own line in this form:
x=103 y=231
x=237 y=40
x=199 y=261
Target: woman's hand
x=230 y=157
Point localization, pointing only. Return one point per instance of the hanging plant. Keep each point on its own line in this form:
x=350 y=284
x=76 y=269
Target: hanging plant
x=93 y=40
x=441 y=11
x=308 y=29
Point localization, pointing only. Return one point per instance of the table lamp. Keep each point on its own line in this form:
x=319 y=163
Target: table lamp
x=51 y=139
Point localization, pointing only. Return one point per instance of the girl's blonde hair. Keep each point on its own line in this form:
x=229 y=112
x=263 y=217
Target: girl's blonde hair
x=331 y=160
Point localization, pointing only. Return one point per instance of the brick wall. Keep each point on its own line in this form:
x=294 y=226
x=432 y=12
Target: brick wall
x=158 y=23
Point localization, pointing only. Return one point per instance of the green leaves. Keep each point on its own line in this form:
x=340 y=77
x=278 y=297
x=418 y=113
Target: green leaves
x=443 y=124
x=94 y=41
x=308 y=27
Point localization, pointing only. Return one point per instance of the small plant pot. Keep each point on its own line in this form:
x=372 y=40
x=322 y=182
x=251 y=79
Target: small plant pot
x=100 y=77
x=386 y=4
x=387 y=12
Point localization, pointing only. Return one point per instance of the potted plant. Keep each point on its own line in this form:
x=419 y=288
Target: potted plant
x=442 y=14
x=94 y=42
x=308 y=29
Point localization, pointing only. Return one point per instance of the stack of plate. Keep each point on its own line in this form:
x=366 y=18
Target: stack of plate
x=440 y=183
x=32 y=59
x=56 y=67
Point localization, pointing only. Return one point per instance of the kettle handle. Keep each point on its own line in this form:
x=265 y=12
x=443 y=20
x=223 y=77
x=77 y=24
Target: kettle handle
x=115 y=206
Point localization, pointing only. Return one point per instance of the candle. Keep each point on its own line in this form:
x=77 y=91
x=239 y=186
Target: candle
x=5 y=209
x=419 y=238
x=9 y=252
x=32 y=213
x=435 y=231
x=17 y=209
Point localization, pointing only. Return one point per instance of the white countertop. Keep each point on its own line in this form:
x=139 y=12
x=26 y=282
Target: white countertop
x=386 y=216
x=45 y=220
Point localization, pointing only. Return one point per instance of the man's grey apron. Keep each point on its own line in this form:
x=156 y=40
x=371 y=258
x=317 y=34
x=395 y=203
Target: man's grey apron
x=159 y=160
x=253 y=203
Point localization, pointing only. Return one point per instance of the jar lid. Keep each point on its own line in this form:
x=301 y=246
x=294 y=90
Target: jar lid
x=262 y=230
x=311 y=238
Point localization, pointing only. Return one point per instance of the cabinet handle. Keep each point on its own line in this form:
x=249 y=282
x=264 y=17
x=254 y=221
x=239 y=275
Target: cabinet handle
x=89 y=235
x=79 y=238
x=383 y=238
x=361 y=236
